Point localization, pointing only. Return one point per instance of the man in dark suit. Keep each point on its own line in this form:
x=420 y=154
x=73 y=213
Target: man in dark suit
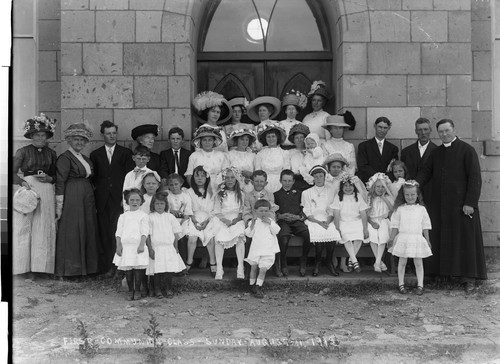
x=415 y=155
x=376 y=154
x=111 y=163
x=174 y=159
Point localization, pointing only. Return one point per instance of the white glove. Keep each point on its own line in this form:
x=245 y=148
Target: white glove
x=59 y=206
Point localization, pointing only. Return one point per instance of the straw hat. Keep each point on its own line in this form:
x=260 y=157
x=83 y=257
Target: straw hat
x=345 y=120
x=253 y=107
x=335 y=157
x=25 y=201
x=208 y=99
x=263 y=130
x=204 y=131
x=78 y=129
x=39 y=124
x=232 y=139
x=298 y=129
x=239 y=101
x=295 y=98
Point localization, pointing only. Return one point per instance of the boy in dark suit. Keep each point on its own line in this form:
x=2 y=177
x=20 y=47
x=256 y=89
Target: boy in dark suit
x=111 y=163
x=174 y=159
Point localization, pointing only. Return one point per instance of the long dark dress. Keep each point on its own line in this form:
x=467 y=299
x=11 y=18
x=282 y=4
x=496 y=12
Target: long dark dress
x=457 y=242
x=77 y=235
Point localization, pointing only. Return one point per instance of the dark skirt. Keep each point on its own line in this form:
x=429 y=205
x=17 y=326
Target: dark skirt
x=77 y=235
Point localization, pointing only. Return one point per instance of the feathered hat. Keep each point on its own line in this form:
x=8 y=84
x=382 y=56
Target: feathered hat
x=208 y=99
x=204 y=131
x=318 y=88
x=231 y=140
x=144 y=129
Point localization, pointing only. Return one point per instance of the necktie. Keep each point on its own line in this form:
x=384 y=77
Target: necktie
x=110 y=155
x=138 y=171
x=380 y=147
x=176 y=156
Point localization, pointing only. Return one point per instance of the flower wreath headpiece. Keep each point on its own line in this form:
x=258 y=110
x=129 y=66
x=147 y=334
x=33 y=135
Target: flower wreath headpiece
x=412 y=183
x=221 y=177
x=348 y=178
x=376 y=177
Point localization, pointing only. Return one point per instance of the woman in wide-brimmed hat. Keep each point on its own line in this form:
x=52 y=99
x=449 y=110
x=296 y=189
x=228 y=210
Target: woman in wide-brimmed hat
x=145 y=135
x=213 y=110
x=239 y=107
x=77 y=235
x=319 y=96
x=34 y=234
x=336 y=126
x=293 y=102
x=297 y=136
x=272 y=158
x=241 y=155
x=205 y=139
x=262 y=111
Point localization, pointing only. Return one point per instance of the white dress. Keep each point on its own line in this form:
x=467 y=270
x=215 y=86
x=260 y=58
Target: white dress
x=316 y=202
x=287 y=124
x=272 y=161
x=146 y=206
x=230 y=209
x=296 y=158
x=395 y=186
x=131 y=226
x=315 y=122
x=181 y=203
x=411 y=220
x=213 y=162
x=346 y=149
x=264 y=242
x=244 y=161
x=351 y=225
x=379 y=213
x=202 y=210
x=133 y=180
x=163 y=228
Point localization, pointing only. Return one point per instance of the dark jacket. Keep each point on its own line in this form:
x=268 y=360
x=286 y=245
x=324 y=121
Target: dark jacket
x=167 y=162
x=370 y=161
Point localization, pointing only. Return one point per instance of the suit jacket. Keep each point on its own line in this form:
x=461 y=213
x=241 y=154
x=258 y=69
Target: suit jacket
x=108 y=178
x=167 y=162
x=370 y=161
x=414 y=163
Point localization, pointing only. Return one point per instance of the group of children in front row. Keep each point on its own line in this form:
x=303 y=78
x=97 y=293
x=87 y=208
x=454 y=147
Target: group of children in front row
x=338 y=209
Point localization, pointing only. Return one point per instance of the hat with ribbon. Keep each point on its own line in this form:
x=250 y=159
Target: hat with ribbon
x=318 y=88
x=235 y=134
x=144 y=129
x=295 y=98
x=25 y=201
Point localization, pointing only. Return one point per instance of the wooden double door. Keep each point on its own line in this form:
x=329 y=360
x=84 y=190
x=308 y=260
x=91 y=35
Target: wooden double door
x=252 y=79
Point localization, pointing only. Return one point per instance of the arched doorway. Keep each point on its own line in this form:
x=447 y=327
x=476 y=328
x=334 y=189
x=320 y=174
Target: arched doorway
x=264 y=47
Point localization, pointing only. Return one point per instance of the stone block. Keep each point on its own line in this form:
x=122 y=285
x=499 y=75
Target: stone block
x=49 y=35
x=175 y=28
x=366 y=90
x=184 y=59
x=74 y=4
x=146 y=5
x=355 y=58
x=417 y=5
x=58 y=66
x=47 y=66
x=390 y=26
x=458 y=90
x=178 y=6
x=49 y=95
x=481 y=125
x=491 y=242
x=49 y=9
x=481 y=95
x=459 y=26
x=393 y=58
x=492 y=148
x=353 y=6
x=70 y=116
x=115 y=26
x=490 y=190
x=356 y=27
x=452 y=5
x=127 y=119
x=429 y=26
x=149 y=59
x=176 y=117
x=97 y=116
x=481 y=36
x=77 y=26
x=481 y=66
x=461 y=117
x=102 y=59
x=108 y=4
x=446 y=58
x=180 y=94
x=359 y=132
x=97 y=92
x=427 y=90
x=148 y=26
x=151 y=92
x=481 y=10
x=402 y=119
x=71 y=59
x=384 y=4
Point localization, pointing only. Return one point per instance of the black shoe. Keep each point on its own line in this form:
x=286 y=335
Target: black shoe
x=258 y=292
x=316 y=270
x=284 y=270
x=332 y=270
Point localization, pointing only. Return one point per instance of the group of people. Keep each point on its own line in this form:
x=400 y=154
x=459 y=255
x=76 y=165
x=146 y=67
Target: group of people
x=246 y=186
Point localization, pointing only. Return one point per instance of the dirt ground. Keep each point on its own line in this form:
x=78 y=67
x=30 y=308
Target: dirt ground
x=324 y=320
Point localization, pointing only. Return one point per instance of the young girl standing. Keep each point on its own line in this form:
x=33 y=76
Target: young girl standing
x=381 y=203
x=264 y=246
x=349 y=211
x=132 y=254
x=202 y=204
x=165 y=232
x=410 y=225
x=150 y=184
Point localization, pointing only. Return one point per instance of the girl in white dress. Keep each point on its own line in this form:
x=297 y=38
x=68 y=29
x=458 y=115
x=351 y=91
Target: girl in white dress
x=202 y=203
x=227 y=226
x=179 y=202
x=410 y=225
x=272 y=159
x=165 y=232
x=349 y=211
x=381 y=203
x=312 y=157
x=150 y=185
x=132 y=254
x=316 y=202
x=241 y=156
x=399 y=171
x=262 y=230
x=292 y=103
x=214 y=161
x=263 y=110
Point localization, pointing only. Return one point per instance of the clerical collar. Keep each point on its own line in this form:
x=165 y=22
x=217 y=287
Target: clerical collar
x=446 y=145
